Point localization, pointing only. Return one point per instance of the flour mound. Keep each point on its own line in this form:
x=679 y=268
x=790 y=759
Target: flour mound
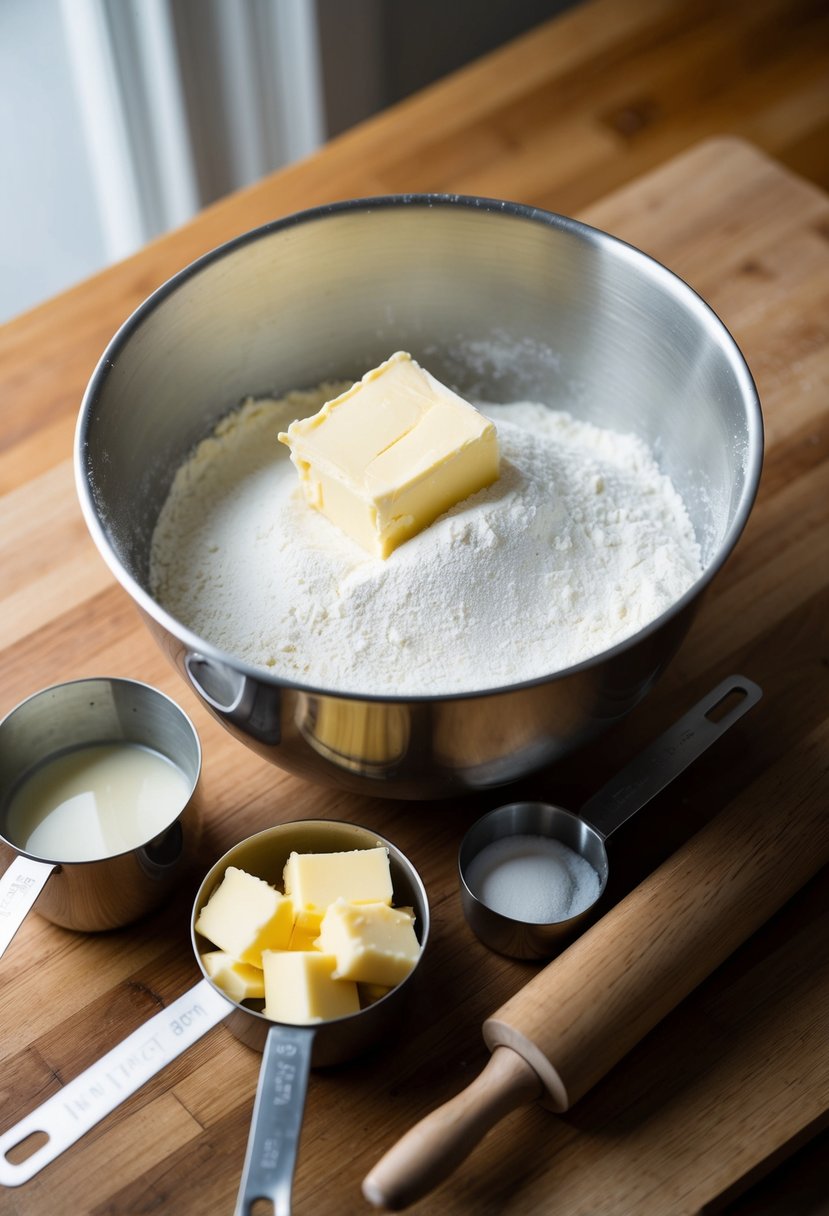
x=579 y=544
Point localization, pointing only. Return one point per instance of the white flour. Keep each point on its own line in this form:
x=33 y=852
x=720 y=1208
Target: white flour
x=580 y=543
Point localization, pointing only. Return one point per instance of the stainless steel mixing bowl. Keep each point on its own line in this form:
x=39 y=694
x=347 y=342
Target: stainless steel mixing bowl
x=505 y=303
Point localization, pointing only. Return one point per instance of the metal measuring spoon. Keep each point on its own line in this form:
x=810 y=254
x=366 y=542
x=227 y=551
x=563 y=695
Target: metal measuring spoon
x=587 y=831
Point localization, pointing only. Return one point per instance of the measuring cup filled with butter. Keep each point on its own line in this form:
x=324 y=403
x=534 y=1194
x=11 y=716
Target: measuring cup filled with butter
x=532 y=873
x=97 y=811
x=308 y=935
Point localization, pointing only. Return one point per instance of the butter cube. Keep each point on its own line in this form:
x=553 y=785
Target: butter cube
x=245 y=915
x=370 y=993
x=372 y=943
x=315 y=880
x=303 y=938
x=384 y=459
x=240 y=981
x=308 y=921
x=300 y=988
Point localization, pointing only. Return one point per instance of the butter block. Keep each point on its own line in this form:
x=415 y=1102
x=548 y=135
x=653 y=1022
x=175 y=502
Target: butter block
x=245 y=915
x=300 y=988
x=315 y=880
x=384 y=459
x=241 y=981
x=372 y=943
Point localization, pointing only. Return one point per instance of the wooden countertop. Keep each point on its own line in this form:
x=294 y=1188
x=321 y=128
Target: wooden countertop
x=738 y=1076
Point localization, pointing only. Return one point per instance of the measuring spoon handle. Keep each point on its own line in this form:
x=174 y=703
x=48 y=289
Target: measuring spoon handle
x=273 y=1143
x=20 y=885
x=84 y=1101
x=669 y=755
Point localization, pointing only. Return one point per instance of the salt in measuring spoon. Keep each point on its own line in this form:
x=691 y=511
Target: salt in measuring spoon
x=586 y=832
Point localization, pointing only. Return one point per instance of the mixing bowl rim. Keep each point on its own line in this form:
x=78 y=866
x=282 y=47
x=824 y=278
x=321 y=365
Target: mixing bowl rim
x=99 y=679
x=673 y=284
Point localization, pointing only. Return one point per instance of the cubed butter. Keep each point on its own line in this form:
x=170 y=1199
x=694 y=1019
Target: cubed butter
x=384 y=459
x=300 y=988
x=245 y=915
x=308 y=920
x=240 y=981
x=315 y=880
x=372 y=943
x=371 y=993
x=303 y=938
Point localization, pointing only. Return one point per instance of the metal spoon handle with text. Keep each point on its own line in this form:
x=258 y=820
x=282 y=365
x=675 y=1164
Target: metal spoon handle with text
x=20 y=885
x=97 y=1091
x=277 y=1120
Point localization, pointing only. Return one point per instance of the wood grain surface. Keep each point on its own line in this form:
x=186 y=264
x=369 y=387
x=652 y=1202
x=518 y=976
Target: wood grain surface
x=738 y=1076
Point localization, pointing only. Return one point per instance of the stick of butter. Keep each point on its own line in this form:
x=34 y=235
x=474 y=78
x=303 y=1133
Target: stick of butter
x=300 y=988
x=315 y=880
x=372 y=943
x=384 y=459
x=245 y=916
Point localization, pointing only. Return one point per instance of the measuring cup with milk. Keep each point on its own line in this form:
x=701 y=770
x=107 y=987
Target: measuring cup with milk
x=97 y=809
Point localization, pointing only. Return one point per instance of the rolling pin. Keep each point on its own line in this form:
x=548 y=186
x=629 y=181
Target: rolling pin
x=565 y=1029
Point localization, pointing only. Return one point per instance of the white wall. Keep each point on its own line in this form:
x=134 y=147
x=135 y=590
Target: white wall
x=120 y=118
x=50 y=231
x=112 y=110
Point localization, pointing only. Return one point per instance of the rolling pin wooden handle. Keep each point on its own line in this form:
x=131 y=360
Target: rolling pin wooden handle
x=428 y=1153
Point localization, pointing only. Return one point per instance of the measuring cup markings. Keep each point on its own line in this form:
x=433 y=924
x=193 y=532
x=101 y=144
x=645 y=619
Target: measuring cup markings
x=272 y=1148
x=96 y=1092
x=20 y=886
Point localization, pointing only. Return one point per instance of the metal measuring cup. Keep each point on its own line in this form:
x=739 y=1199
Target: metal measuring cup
x=109 y=891
x=289 y=1051
x=587 y=831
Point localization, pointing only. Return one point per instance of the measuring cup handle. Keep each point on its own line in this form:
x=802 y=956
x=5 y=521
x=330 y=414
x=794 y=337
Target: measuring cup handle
x=20 y=886
x=277 y=1120
x=84 y=1101
x=670 y=754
